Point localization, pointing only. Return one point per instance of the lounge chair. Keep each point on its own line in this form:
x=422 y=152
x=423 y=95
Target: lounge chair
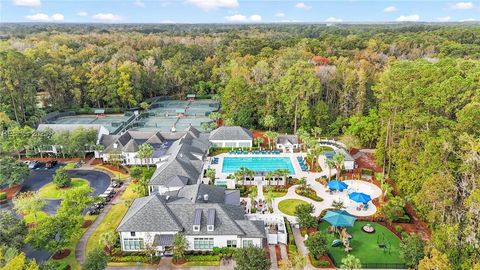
x=264 y=152
x=245 y=152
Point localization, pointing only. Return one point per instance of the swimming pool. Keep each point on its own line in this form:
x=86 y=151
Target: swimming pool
x=264 y=164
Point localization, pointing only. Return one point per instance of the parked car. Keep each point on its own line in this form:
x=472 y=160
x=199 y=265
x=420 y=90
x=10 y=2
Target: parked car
x=105 y=197
x=34 y=164
x=93 y=211
x=116 y=184
x=51 y=164
x=77 y=165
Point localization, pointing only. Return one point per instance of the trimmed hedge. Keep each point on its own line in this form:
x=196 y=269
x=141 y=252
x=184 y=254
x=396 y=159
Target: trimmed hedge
x=318 y=263
x=203 y=258
x=133 y=258
x=3 y=196
x=309 y=193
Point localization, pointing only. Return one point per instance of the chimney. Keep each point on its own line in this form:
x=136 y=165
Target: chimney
x=115 y=145
x=205 y=197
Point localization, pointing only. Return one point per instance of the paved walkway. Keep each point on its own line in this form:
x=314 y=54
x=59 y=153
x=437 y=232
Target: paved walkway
x=273 y=257
x=80 y=250
x=301 y=247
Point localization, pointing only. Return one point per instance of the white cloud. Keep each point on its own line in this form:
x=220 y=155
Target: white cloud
x=444 y=19
x=468 y=20
x=280 y=15
x=139 y=3
x=27 y=3
x=333 y=19
x=462 y=5
x=107 y=17
x=42 y=17
x=302 y=5
x=408 y=18
x=82 y=13
x=239 y=18
x=390 y=9
x=213 y=4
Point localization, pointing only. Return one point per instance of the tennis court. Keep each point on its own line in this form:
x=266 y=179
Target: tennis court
x=111 y=122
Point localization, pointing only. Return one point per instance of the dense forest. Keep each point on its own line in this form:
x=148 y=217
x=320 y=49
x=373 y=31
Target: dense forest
x=410 y=91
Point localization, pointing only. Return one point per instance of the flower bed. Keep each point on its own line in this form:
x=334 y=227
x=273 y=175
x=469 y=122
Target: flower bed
x=309 y=193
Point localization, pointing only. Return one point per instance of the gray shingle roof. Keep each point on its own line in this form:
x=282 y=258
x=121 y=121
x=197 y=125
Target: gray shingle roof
x=285 y=139
x=252 y=228
x=149 y=214
x=130 y=147
x=231 y=133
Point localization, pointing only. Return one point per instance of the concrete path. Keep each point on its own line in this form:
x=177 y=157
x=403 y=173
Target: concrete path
x=301 y=247
x=283 y=251
x=80 y=250
x=273 y=257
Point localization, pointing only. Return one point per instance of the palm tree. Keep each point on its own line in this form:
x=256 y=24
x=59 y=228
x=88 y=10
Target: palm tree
x=211 y=174
x=317 y=131
x=270 y=196
x=339 y=159
x=284 y=173
x=270 y=175
x=108 y=239
x=145 y=151
x=259 y=141
x=298 y=261
x=338 y=205
x=330 y=165
x=303 y=135
x=242 y=172
x=303 y=183
x=180 y=246
x=271 y=136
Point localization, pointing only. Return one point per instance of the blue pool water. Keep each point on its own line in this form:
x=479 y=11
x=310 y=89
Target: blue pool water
x=265 y=164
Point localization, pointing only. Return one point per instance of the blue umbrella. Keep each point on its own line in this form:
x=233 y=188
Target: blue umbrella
x=339 y=218
x=337 y=185
x=359 y=197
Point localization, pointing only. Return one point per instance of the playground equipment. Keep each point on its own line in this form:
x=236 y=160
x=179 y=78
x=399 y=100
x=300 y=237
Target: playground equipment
x=383 y=243
x=345 y=238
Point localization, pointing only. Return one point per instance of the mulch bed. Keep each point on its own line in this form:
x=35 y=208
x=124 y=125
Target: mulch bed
x=61 y=254
x=179 y=261
x=11 y=191
x=114 y=168
x=87 y=223
x=327 y=258
x=278 y=254
x=96 y=161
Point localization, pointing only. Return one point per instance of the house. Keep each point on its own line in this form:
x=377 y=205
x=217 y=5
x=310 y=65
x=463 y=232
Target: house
x=126 y=145
x=288 y=143
x=349 y=161
x=231 y=136
x=53 y=149
x=154 y=221
x=183 y=163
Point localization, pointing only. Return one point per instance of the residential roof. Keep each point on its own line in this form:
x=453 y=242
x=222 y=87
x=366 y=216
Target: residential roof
x=231 y=133
x=215 y=194
x=159 y=213
x=287 y=139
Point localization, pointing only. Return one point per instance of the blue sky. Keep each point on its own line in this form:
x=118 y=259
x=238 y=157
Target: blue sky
x=236 y=11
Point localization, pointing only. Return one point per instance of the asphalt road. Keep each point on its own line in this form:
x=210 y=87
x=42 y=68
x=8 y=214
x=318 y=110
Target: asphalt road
x=99 y=181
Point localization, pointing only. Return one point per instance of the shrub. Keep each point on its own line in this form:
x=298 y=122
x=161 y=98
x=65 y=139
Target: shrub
x=399 y=229
x=318 y=263
x=61 y=179
x=133 y=258
x=309 y=193
x=203 y=258
x=54 y=265
x=3 y=196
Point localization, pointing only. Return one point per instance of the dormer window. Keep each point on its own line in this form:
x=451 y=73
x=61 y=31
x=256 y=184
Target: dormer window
x=211 y=220
x=210 y=228
x=197 y=219
x=196 y=228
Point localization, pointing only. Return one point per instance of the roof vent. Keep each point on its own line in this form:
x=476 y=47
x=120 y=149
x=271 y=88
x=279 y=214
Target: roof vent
x=205 y=197
x=167 y=197
x=115 y=145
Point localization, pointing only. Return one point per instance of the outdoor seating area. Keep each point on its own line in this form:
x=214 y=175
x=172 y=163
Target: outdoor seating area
x=215 y=160
x=303 y=163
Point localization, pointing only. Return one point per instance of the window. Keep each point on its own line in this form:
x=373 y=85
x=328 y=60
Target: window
x=130 y=244
x=202 y=243
x=232 y=243
x=230 y=144
x=196 y=228
x=210 y=228
x=247 y=243
x=132 y=234
x=244 y=144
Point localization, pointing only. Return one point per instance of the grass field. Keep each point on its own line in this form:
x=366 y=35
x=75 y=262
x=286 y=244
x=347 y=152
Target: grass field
x=365 y=246
x=111 y=221
x=288 y=206
x=50 y=191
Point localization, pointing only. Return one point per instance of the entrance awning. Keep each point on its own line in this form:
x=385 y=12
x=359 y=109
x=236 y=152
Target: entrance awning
x=163 y=240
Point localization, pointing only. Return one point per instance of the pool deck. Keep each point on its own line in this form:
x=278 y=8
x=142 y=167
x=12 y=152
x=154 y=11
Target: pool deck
x=321 y=190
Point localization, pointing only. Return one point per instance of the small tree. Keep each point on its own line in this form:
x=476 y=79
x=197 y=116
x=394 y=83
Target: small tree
x=330 y=165
x=317 y=244
x=211 y=174
x=304 y=212
x=251 y=258
x=435 y=261
x=258 y=141
x=412 y=250
x=108 y=239
x=29 y=203
x=268 y=121
x=61 y=179
x=271 y=136
x=136 y=172
x=96 y=260
x=303 y=183
x=338 y=205
x=12 y=230
x=351 y=262
x=180 y=246
x=339 y=159
x=145 y=151
x=393 y=209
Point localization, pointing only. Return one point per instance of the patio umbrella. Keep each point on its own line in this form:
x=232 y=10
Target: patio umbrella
x=359 y=197
x=339 y=218
x=337 y=185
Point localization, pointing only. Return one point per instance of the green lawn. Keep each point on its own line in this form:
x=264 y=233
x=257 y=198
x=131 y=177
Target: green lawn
x=288 y=206
x=50 y=191
x=129 y=193
x=325 y=148
x=365 y=246
x=278 y=194
x=110 y=223
x=69 y=166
